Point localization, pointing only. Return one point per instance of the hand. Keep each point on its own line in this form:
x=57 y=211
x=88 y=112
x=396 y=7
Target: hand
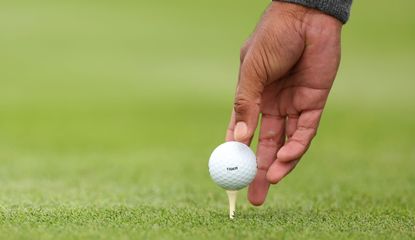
x=287 y=68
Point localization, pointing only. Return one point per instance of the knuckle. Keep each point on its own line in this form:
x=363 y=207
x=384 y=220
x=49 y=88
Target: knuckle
x=270 y=138
x=242 y=53
x=244 y=49
x=304 y=143
x=241 y=105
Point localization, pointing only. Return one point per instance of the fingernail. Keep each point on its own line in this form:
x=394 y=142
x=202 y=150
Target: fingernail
x=240 y=131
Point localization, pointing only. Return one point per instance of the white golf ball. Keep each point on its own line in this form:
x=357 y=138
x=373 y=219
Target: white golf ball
x=232 y=165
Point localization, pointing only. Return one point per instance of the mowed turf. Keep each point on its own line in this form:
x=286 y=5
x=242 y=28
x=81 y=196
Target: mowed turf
x=109 y=111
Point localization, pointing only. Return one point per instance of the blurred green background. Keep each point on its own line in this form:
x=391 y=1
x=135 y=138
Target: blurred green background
x=109 y=111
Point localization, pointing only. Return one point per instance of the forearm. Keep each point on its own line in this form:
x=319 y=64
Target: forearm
x=339 y=9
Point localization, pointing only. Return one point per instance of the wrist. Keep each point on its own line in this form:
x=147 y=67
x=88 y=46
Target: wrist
x=339 y=9
x=303 y=17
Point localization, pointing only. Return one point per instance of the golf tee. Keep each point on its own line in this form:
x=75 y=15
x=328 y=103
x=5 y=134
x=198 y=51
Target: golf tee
x=232 y=202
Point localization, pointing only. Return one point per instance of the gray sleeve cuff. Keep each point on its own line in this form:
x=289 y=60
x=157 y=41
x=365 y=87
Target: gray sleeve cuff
x=339 y=9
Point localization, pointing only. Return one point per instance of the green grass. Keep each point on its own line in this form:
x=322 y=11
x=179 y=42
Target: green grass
x=109 y=111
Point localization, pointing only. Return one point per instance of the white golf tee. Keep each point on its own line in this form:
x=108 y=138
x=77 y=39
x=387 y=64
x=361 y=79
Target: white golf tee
x=232 y=203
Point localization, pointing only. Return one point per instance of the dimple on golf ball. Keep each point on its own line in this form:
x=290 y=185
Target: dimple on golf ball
x=232 y=165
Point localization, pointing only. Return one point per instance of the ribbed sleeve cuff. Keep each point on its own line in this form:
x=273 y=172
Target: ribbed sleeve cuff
x=339 y=9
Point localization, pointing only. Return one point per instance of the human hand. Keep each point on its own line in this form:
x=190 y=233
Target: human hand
x=288 y=66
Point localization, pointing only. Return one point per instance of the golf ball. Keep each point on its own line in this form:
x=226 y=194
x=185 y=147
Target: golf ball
x=232 y=165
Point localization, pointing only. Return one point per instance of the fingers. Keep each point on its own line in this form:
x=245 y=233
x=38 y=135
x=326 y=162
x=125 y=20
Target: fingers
x=279 y=170
x=270 y=140
x=246 y=110
x=231 y=127
x=300 y=132
x=300 y=140
x=252 y=79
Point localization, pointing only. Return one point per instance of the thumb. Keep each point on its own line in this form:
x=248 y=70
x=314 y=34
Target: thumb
x=247 y=102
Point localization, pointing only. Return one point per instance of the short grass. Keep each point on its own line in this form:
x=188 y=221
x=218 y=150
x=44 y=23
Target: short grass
x=109 y=111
